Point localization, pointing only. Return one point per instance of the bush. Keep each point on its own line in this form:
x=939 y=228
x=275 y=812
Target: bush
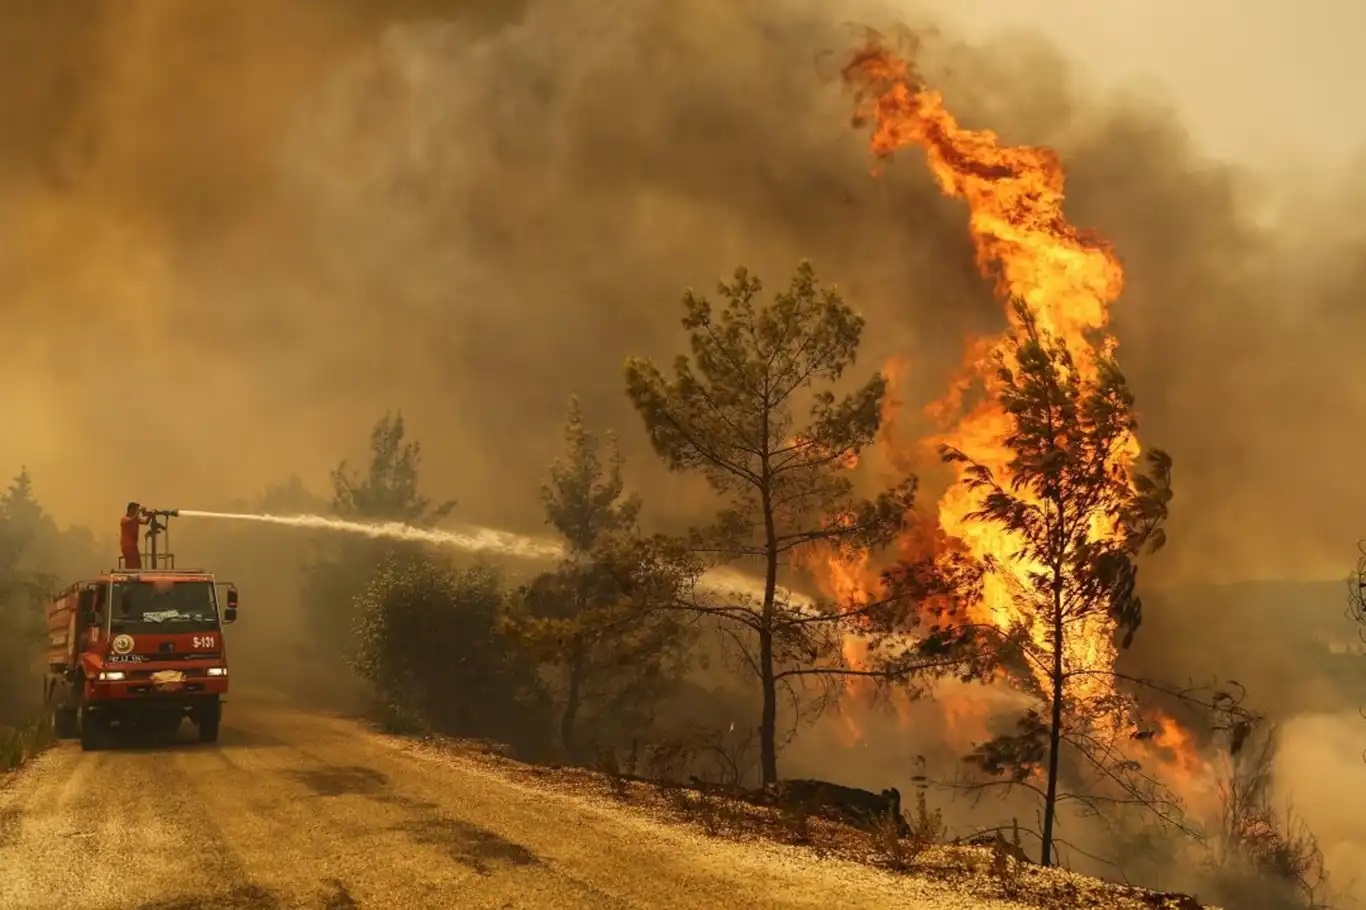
x=428 y=641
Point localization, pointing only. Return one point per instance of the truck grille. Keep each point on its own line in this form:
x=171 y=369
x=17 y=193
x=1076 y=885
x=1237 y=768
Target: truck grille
x=190 y=673
x=147 y=688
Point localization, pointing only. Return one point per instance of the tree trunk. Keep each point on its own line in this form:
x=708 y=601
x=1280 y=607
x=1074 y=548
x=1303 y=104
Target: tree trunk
x=1054 y=732
x=768 y=723
x=571 y=705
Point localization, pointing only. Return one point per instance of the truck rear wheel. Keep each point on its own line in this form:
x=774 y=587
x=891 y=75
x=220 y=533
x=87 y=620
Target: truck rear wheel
x=94 y=730
x=207 y=718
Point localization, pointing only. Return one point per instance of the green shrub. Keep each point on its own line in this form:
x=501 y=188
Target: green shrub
x=428 y=641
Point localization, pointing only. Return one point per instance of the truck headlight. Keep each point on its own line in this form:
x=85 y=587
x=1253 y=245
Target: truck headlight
x=218 y=671
x=111 y=675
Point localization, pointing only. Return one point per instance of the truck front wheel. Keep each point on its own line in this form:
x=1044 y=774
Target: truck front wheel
x=93 y=729
x=207 y=718
x=64 y=725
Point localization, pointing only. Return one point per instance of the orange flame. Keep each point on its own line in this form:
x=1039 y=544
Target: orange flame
x=1066 y=277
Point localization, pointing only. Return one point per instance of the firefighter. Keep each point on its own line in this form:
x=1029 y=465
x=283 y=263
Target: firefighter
x=133 y=519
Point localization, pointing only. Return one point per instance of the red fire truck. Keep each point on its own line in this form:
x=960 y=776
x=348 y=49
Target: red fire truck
x=139 y=648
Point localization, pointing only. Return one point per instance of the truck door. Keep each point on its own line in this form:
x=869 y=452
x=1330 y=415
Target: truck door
x=88 y=610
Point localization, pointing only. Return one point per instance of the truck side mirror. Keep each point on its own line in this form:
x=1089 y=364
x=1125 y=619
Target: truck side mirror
x=230 y=612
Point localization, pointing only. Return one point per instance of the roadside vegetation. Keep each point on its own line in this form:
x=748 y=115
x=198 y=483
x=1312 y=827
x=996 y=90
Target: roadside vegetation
x=618 y=660
x=633 y=667
x=34 y=553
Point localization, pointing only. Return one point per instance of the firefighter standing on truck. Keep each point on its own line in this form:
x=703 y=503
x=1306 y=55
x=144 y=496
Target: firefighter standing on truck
x=133 y=519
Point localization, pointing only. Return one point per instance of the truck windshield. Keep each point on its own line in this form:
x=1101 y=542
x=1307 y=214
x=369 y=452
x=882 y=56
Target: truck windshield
x=168 y=606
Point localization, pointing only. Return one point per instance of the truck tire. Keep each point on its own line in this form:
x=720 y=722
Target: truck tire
x=93 y=730
x=64 y=724
x=207 y=718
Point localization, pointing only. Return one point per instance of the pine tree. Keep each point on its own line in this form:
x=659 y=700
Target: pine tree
x=594 y=619
x=754 y=412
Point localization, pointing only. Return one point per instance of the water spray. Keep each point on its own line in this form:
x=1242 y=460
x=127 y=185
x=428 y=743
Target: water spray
x=475 y=539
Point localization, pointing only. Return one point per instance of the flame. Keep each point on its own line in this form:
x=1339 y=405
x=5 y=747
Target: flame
x=1066 y=277
x=1190 y=774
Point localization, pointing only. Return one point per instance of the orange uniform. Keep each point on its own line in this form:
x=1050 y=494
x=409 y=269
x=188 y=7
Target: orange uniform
x=128 y=541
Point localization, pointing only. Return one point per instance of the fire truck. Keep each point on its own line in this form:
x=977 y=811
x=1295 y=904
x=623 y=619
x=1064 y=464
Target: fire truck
x=139 y=648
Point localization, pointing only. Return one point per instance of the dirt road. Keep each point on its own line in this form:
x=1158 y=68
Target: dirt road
x=294 y=809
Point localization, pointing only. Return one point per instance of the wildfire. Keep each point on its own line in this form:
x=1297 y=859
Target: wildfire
x=1066 y=277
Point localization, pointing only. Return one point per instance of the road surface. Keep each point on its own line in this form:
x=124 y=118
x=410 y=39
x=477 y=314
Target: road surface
x=296 y=809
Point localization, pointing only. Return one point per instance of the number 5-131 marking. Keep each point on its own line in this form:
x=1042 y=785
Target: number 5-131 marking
x=204 y=641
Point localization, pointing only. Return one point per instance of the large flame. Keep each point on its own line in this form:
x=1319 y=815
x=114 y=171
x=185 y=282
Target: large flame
x=1067 y=279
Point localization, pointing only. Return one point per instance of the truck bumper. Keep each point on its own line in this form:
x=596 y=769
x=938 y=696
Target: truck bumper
x=192 y=690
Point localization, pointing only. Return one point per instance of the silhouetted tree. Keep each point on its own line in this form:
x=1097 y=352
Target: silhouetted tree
x=388 y=490
x=595 y=618
x=20 y=619
x=1356 y=591
x=34 y=554
x=752 y=412
x=1263 y=854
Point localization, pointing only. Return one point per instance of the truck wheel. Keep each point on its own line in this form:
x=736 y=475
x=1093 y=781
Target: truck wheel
x=64 y=723
x=93 y=730
x=207 y=719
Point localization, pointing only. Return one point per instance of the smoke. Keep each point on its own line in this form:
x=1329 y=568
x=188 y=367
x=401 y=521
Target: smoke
x=231 y=240
x=1320 y=765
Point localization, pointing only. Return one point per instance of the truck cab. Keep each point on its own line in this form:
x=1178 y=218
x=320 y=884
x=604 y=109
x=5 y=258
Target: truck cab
x=140 y=648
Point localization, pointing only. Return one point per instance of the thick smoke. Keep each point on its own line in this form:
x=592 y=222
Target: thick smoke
x=234 y=233
x=231 y=240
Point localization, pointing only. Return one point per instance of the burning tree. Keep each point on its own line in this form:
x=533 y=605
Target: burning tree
x=1038 y=536
x=1075 y=517
x=731 y=412
x=594 y=618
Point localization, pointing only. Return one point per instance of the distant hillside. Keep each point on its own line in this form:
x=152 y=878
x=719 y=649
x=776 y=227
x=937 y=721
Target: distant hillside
x=1290 y=643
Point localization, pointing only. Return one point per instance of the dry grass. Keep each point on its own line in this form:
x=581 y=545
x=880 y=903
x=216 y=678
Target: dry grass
x=986 y=873
x=19 y=744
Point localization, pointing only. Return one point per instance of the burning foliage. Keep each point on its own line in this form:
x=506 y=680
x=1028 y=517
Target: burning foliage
x=1048 y=511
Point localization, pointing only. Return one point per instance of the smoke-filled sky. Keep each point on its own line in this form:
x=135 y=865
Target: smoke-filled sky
x=234 y=232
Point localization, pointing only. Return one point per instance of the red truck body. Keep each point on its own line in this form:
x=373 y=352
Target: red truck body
x=137 y=649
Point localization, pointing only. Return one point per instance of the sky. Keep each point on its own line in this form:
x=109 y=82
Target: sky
x=1240 y=70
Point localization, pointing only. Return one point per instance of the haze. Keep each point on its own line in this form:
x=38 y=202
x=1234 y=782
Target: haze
x=235 y=233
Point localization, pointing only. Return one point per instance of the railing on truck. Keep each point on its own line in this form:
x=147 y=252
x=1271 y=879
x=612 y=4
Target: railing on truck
x=151 y=558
